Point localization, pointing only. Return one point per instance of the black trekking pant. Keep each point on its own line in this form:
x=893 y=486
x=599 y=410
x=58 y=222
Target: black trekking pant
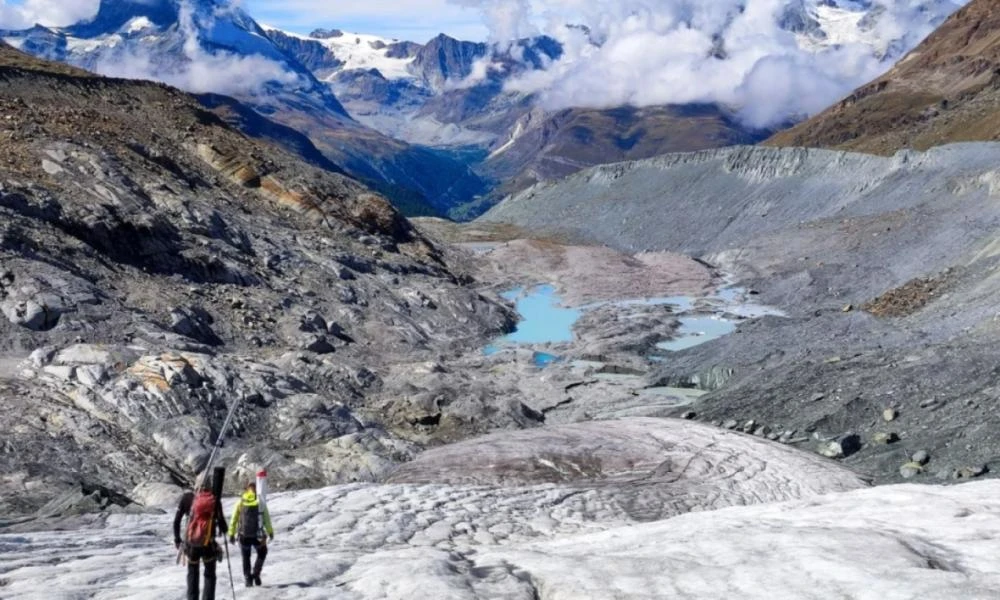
x=208 y=556
x=246 y=544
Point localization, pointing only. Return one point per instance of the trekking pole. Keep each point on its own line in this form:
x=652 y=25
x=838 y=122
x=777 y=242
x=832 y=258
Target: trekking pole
x=218 y=481
x=229 y=564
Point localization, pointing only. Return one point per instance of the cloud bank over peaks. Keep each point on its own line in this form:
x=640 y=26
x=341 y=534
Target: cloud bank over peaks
x=741 y=54
x=51 y=13
x=199 y=70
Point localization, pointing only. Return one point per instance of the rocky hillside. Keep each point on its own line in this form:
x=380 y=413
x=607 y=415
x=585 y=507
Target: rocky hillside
x=946 y=90
x=214 y=47
x=885 y=266
x=548 y=147
x=157 y=266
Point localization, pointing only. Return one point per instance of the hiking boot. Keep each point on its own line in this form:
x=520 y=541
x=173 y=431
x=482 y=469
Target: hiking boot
x=249 y=582
x=256 y=578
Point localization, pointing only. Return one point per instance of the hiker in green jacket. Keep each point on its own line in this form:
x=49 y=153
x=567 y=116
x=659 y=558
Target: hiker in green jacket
x=252 y=523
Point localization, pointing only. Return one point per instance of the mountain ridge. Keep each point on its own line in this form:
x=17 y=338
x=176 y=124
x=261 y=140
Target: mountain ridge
x=946 y=90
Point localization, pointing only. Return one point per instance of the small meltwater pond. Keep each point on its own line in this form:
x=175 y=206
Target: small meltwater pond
x=697 y=330
x=545 y=320
x=543 y=317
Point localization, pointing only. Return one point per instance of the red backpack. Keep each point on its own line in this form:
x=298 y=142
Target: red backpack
x=201 y=520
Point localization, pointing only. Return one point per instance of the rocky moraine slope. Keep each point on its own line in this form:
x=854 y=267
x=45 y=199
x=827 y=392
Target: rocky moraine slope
x=157 y=266
x=885 y=267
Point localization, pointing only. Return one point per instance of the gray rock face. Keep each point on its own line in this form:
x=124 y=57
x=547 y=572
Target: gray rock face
x=36 y=302
x=312 y=54
x=194 y=323
x=444 y=58
x=31 y=314
x=140 y=300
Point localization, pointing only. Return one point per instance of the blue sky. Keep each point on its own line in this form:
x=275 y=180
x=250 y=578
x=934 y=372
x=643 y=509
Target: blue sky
x=414 y=20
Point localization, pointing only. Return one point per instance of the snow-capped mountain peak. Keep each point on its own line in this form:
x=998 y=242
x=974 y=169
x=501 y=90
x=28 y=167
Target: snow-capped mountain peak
x=359 y=51
x=198 y=45
x=824 y=24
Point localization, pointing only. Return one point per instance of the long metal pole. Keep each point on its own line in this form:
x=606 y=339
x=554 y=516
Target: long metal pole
x=221 y=438
x=211 y=459
x=229 y=564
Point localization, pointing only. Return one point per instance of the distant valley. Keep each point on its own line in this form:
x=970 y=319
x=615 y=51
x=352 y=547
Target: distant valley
x=449 y=127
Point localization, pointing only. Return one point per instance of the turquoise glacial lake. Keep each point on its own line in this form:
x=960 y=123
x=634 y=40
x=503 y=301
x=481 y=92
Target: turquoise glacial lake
x=545 y=320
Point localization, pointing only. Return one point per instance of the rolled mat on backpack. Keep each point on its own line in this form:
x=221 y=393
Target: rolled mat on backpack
x=218 y=479
x=262 y=488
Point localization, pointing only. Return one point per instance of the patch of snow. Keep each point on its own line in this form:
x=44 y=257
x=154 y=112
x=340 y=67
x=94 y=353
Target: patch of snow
x=361 y=51
x=14 y=42
x=136 y=25
x=514 y=136
x=840 y=26
x=83 y=46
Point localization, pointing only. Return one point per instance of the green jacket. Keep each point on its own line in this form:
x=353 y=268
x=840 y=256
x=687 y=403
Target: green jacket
x=249 y=499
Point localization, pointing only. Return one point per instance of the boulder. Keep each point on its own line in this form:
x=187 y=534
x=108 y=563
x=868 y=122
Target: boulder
x=157 y=494
x=91 y=375
x=305 y=419
x=882 y=437
x=42 y=356
x=910 y=470
x=37 y=313
x=316 y=343
x=187 y=440
x=841 y=447
x=194 y=323
x=62 y=373
x=84 y=354
x=312 y=322
x=970 y=472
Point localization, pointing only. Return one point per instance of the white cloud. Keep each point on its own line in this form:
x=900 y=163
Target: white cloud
x=54 y=13
x=731 y=52
x=507 y=19
x=201 y=71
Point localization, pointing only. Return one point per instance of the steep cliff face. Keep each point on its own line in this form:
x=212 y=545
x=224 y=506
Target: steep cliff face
x=157 y=266
x=445 y=58
x=946 y=90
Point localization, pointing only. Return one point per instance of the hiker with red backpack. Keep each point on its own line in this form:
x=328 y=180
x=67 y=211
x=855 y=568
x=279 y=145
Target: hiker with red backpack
x=203 y=509
x=252 y=522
